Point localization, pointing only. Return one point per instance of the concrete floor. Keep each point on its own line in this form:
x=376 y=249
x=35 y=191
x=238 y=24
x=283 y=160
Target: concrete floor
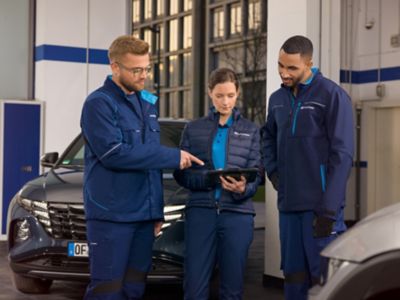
x=63 y=290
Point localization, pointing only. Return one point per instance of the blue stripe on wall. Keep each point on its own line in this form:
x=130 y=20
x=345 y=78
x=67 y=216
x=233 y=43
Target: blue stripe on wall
x=98 y=56
x=368 y=76
x=70 y=54
x=60 y=53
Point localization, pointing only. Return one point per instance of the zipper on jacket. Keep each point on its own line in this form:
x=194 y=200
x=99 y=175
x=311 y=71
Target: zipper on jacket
x=212 y=137
x=294 y=122
x=217 y=207
x=227 y=144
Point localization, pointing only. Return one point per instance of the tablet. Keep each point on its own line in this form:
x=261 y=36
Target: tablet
x=250 y=174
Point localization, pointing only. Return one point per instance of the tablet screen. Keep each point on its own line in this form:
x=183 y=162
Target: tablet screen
x=250 y=174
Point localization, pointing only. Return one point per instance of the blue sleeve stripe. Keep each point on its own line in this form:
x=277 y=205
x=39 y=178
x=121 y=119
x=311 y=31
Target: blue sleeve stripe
x=323 y=179
x=109 y=151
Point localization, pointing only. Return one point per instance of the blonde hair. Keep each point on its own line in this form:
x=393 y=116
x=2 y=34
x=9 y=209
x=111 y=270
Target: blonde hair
x=127 y=44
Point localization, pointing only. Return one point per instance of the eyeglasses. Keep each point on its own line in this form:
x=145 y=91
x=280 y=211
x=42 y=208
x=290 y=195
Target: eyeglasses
x=135 y=71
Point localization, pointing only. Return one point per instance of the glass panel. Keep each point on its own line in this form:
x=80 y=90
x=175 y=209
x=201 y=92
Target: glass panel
x=147 y=37
x=148 y=7
x=173 y=7
x=180 y=105
x=150 y=77
x=135 y=11
x=165 y=105
x=149 y=82
x=256 y=54
x=74 y=157
x=187 y=32
x=253 y=102
x=162 y=75
x=187 y=104
x=187 y=4
x=254 y=14
x=187 y=68
x=218 y=23
x=173 y=104
x=232 y=58
x=236 y=19
x=171 y=134
x=160 y=7
x=173 y=71
x=162 y=40
x=173 y=35
x=136 y=33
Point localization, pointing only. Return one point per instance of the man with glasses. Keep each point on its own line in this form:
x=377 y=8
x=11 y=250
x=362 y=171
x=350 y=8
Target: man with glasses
x=123 y=192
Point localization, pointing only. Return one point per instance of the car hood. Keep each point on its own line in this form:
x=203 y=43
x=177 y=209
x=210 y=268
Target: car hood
x=376 y=234
x=57 y=185
x=66 y=186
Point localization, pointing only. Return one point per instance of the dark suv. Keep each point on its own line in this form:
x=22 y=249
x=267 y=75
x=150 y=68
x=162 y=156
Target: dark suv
x=46 y=222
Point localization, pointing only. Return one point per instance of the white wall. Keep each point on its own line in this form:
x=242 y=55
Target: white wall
x=15 y=50
x=63 y=85
x=349 y=35
x=368 y=27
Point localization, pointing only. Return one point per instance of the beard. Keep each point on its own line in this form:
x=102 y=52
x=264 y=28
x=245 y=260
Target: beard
x=131 y=86
x=293 y=81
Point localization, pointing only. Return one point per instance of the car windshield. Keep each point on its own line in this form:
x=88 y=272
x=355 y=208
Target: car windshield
x=73 y=157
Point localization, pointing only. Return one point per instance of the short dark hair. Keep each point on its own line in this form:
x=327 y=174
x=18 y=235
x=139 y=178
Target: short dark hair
x=298 y=44
x=222 y=75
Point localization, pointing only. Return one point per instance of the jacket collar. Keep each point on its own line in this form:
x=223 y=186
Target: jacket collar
x=316 y=74
x=111 y=85
x=214 y=115
x=139 y=108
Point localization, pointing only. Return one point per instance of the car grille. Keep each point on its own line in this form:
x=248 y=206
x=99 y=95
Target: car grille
x=80 y=264
x=60 y=220
x=67 y=221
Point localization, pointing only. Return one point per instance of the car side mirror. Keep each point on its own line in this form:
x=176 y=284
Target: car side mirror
x=49 y=159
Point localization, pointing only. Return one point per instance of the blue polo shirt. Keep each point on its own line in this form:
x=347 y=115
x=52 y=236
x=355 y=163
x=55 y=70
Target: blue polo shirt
x=219 y=150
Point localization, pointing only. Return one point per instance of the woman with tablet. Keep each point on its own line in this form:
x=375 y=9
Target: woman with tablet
x=219 y=214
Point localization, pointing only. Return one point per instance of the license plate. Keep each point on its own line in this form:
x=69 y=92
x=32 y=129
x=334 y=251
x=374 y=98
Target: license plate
x=78 y=249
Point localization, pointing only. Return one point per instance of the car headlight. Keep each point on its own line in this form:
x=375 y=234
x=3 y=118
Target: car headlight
x=172 y=213
x=39 y=209
x=333 y=265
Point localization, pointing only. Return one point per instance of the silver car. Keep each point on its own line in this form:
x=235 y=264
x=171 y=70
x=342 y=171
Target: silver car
x=364 y=262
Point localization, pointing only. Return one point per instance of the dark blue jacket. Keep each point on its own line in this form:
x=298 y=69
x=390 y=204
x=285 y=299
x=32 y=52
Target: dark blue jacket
x=308 y=142
x=243 y=151
x=123 y=157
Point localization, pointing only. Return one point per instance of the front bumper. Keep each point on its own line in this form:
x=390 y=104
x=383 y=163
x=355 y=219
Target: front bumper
x=42 y=256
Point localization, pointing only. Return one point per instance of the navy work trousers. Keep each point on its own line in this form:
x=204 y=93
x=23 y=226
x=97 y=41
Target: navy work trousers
x=120 y=257
x=300 y=251
x=216 y=239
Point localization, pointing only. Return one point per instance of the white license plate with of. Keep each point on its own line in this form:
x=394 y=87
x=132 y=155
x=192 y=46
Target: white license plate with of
x=78 y=249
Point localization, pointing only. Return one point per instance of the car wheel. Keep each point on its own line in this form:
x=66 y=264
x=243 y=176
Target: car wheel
x=31 y=285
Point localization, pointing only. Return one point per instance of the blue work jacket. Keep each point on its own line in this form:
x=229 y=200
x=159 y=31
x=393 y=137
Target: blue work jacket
x=308 y=142
x=242 y=151
x=123 y=157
